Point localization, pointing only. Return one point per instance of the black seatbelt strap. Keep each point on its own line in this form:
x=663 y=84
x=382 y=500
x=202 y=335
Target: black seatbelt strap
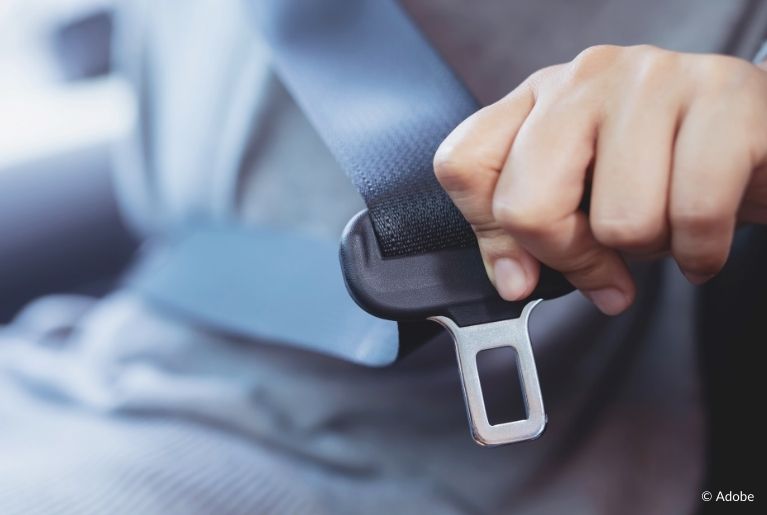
x=383 y=100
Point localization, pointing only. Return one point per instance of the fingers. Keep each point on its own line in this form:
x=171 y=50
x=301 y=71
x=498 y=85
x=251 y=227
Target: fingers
x=673 y=141
x=629 y=195
x=538 y=194
x=467 y=165
x=711 y=170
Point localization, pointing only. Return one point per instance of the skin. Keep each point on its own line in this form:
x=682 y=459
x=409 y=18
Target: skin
x=673 y=147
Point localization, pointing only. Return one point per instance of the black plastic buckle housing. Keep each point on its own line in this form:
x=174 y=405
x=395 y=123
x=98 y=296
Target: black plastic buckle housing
x=451 y=283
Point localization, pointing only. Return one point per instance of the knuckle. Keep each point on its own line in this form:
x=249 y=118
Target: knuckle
x=697 y=219
x=597 y=54
x=592 y=60
x=495 y=243
x=537 y=78
x=635 y=233
x=452 y=168
x=588 y=267
x=656 y=66
x=645 y=49
x=518 y=218
x=647 y=55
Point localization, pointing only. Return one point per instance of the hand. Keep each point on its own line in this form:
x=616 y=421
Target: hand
x=672 y=145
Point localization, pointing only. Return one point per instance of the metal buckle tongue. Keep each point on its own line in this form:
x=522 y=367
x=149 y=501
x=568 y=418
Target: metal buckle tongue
x=470 y=341
x=451 y=288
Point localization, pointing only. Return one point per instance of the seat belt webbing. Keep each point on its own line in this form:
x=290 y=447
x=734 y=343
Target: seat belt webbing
x=382 y=100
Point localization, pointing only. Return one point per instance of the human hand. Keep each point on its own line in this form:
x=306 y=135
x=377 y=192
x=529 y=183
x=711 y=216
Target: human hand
x=672 y=145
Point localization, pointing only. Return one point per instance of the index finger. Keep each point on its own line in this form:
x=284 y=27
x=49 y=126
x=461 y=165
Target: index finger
x=467 y=165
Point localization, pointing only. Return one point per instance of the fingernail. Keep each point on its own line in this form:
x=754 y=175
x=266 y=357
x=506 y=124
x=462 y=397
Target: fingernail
x=610 y=301
x=510 y=278
x=697 y=279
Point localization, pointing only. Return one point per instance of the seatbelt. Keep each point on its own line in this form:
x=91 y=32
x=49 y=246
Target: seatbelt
x=383 y=100
x=258 y=284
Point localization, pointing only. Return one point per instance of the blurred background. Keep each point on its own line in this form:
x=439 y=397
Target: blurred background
x=60 y=111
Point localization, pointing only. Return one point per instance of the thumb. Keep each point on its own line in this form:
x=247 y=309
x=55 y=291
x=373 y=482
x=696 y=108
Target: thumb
x=513 y=271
